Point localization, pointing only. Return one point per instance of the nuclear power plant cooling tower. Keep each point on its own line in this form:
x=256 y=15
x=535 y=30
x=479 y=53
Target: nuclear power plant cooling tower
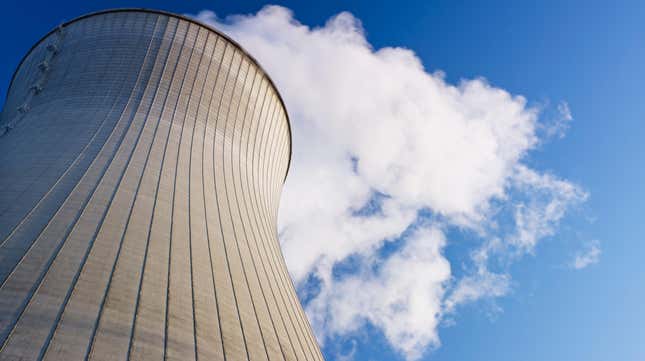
x=142 y=156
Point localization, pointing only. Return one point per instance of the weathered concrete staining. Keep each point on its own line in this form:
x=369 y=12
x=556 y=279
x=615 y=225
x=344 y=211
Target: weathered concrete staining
x=140 y=175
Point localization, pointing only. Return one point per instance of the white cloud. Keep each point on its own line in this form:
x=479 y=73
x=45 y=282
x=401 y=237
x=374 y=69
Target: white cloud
x=369 y=122
x=402 y=296
x=589 y=256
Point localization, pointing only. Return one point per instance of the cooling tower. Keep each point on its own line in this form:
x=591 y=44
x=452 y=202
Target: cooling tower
x=142 y=158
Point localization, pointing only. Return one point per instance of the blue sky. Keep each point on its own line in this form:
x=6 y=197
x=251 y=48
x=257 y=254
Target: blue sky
x=587 y=55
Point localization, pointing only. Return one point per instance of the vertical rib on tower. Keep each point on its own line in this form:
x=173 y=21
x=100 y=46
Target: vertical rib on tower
x=142 y=157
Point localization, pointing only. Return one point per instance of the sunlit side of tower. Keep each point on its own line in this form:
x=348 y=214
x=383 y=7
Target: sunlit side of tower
x=142 y=156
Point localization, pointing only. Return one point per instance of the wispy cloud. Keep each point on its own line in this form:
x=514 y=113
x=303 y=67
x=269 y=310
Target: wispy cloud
x=590 y=255
x=481 y=283
x=387 y=158
x=557 y=124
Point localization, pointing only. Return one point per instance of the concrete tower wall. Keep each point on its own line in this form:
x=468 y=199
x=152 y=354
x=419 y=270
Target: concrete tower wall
x=142 y=157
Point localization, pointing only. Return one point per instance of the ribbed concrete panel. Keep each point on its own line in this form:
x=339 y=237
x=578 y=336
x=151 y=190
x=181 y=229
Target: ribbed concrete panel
x=142 y=157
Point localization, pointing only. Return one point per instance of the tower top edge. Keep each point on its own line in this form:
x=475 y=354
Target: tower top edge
x=181 y=17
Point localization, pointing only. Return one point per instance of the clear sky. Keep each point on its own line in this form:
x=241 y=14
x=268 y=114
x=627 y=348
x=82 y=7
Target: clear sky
x=584 y=56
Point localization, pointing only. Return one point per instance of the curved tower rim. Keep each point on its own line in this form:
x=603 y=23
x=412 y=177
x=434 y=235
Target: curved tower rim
x=178 y=16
